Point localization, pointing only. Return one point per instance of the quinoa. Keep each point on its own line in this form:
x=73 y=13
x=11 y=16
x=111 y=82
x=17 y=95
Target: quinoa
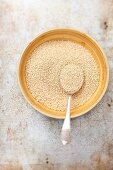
x=43 y=69
x=71 y=78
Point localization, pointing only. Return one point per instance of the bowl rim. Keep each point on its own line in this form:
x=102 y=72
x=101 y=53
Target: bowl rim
x=107 y=70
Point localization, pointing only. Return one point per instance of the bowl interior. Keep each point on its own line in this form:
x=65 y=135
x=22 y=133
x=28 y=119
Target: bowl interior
x=87 y=42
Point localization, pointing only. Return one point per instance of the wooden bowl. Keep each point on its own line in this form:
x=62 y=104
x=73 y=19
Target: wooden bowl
x=86 y=41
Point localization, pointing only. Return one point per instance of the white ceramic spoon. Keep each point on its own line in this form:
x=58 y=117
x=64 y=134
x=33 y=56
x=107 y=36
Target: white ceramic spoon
x=71 y=80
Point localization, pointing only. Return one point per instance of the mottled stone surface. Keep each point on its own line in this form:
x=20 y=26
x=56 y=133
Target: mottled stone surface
x=29 y=140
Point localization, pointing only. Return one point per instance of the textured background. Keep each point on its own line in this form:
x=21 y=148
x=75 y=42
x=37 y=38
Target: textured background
x=29 y=140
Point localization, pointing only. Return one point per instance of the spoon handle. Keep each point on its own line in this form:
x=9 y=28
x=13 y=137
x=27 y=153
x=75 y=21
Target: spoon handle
x=65 y=133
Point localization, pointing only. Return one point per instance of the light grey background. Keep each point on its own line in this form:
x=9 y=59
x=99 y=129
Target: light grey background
x=29 y=140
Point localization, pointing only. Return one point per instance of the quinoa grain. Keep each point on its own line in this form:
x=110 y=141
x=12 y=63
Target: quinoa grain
x=43 y=69
x=71 y=78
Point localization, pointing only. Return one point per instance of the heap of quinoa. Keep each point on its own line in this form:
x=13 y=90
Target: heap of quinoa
x=43 y=69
